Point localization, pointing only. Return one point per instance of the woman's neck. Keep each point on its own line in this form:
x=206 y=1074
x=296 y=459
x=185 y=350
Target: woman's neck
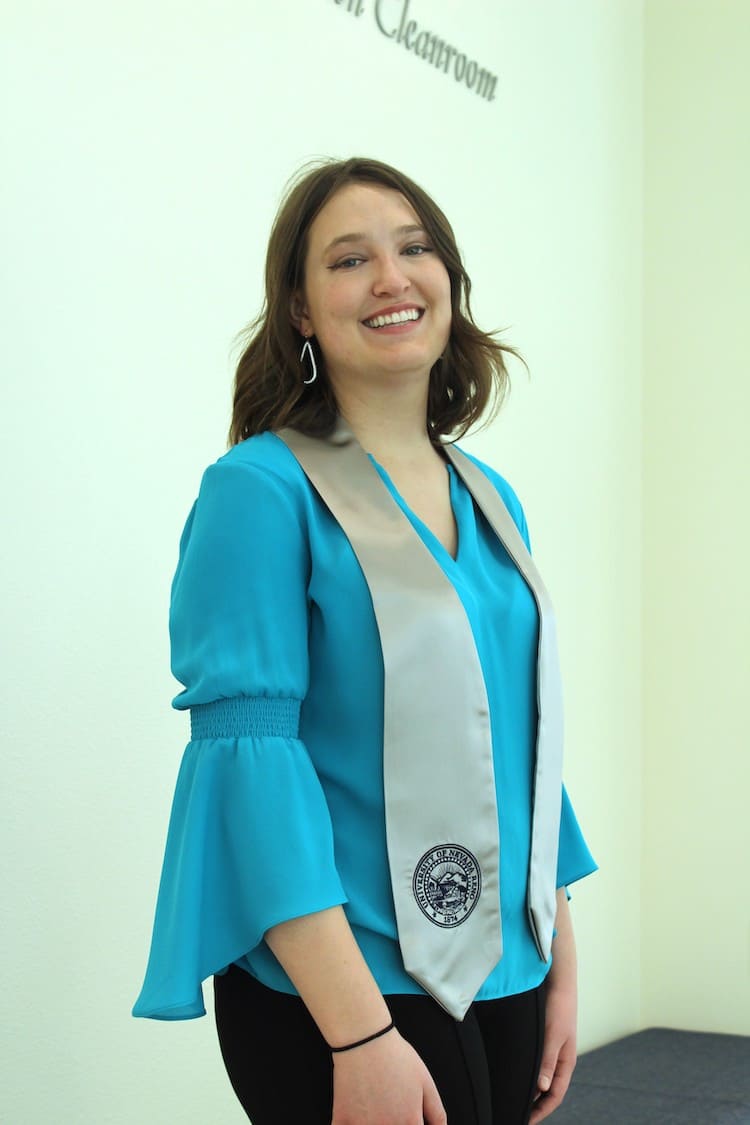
x=391 y=425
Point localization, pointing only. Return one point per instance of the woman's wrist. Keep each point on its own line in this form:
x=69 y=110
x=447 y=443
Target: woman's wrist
x=362 y=1042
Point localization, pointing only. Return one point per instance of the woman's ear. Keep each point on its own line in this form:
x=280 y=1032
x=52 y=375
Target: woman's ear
x=299 y=314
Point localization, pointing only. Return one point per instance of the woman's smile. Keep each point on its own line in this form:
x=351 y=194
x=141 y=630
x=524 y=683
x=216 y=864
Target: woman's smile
x=394 y=318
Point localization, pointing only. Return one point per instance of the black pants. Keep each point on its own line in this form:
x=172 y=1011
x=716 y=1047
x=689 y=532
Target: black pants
x=485 y=1067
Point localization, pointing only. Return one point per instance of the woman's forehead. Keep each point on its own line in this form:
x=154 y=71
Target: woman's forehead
x=364 y=209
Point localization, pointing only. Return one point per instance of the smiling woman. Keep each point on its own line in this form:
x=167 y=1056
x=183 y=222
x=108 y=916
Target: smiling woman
x=467 y=374
x=368 y=656
x=375 y=294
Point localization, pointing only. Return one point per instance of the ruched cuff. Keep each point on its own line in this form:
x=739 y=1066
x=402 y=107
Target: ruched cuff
x=245 y=717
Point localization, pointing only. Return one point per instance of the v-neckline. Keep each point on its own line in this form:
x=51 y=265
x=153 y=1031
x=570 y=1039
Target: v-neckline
x=428 y=536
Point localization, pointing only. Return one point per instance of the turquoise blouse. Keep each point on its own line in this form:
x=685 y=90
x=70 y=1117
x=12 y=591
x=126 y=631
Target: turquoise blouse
x=279 y=809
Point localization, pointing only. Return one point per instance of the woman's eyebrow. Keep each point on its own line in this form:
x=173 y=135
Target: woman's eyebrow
x=359 y=236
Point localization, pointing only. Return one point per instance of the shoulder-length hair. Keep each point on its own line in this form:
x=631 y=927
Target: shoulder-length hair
x=269 y=392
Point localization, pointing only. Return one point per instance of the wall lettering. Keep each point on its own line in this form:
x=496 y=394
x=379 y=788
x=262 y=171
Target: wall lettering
x=393 y=19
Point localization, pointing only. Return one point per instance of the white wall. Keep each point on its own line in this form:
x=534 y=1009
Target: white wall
x=696 y=906
x=149 y=143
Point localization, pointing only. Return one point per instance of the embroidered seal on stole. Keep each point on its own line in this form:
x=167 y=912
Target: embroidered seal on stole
x=447 y=884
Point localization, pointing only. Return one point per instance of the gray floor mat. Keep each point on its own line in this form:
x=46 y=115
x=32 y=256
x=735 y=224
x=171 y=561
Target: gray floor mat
x=662 y=1077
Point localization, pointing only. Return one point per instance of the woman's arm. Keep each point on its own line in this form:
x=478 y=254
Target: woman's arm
x=559 y=1055
x=383 y=1081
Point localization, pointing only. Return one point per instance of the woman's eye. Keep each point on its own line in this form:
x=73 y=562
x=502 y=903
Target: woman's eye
x=416 y=249
x=346 y=263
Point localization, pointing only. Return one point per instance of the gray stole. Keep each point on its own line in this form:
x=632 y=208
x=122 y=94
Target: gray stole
x=440 y=798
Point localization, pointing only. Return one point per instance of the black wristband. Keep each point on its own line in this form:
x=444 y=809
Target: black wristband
x=361 y=1042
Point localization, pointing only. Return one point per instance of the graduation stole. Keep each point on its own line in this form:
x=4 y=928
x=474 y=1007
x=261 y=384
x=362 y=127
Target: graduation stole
x=440 y=798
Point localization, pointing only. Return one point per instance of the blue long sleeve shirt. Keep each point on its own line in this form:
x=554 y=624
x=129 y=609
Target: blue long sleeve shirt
x=279 y=804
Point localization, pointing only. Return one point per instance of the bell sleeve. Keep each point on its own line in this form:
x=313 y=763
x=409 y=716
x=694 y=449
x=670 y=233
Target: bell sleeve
x=250 y=842
x=574 y=860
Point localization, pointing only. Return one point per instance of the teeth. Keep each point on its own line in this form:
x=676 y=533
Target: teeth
x=393 y=318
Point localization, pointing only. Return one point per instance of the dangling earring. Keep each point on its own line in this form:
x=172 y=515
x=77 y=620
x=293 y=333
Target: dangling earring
x=307 y=349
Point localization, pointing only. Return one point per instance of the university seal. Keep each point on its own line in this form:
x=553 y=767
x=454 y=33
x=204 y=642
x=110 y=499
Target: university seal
x=447 y=884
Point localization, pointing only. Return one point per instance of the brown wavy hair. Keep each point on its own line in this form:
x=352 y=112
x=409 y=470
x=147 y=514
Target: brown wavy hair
x=268 y=389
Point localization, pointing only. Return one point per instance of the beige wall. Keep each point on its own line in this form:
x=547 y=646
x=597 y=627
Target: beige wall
x=696 y=612
x=149 y=147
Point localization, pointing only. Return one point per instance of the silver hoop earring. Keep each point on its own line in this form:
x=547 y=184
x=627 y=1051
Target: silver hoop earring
x=307 y=349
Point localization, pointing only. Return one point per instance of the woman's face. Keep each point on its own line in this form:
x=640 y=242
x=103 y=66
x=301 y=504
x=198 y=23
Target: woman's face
x=377 y=297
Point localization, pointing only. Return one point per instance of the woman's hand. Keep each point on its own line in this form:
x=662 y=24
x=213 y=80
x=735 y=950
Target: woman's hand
x=384 y=1083
x=559 y=1052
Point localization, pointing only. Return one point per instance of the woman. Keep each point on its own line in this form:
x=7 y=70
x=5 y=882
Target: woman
x=369 y=843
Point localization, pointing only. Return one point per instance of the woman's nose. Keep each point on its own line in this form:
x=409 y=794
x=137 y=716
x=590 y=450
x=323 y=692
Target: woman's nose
x=390 y=276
